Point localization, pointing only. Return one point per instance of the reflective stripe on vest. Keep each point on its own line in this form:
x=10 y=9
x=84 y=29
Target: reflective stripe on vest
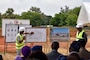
x=19 y=45
x=79 y=36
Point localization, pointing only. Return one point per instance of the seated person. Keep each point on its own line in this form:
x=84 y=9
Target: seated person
x=74 y=46
x=37 y=53
x=73 y=56
x=18 y=57
x=54 y=54
x=1 y=58
x=83 y=52
x=26 y=50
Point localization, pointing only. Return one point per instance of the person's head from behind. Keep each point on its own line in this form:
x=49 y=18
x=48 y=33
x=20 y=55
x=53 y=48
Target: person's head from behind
x=36 y=48
x=82 y=42
x=55 y=45
x=74 y=46
x=37 y=53
x=18 y=57
x=73 y=56
x=21 y=30
x=62 y=57
x=26 y=50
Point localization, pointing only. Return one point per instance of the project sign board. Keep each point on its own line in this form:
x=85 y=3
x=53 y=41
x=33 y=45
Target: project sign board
x=13 y=21
x=11 y=32
x=59 y=34
x=38 y=36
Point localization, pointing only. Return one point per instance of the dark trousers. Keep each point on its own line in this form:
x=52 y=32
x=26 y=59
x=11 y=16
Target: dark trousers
x=1 y=58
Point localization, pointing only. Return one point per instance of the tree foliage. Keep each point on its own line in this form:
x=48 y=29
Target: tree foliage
x=35 y=9
x=71 y=20
x=9 y=13
x=66 y=16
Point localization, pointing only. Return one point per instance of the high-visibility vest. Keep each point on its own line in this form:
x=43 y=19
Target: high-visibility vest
x=79 y=35
x=19 y=45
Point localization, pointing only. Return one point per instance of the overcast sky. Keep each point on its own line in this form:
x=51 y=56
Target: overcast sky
x=49 y=7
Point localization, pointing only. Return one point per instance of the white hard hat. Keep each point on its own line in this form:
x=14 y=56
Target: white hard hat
x=21 y=29
x=79 y=26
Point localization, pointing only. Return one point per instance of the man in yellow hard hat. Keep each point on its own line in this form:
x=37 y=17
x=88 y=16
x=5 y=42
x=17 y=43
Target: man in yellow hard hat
x=20 y=37
x=80 y=33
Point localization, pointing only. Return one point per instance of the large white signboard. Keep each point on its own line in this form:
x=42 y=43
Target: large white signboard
x=38 y=36
x=24 y=25
x=11 y=32
x=12 y=21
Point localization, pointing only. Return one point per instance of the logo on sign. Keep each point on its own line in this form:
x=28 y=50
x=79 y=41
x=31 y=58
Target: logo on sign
x=15 y=22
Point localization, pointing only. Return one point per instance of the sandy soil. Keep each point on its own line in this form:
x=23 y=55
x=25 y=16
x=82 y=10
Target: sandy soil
x=10 y=53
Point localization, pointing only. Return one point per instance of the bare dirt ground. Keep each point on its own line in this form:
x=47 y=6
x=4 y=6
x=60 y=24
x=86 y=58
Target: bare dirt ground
x=10 y=54
x=8 y=50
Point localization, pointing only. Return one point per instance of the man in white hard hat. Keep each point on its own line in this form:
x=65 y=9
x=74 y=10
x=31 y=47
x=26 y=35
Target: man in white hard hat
x=20 y=37
x=80 y=33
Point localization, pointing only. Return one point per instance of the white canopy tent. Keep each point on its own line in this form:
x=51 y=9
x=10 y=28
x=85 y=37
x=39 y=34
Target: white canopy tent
x=84 y=15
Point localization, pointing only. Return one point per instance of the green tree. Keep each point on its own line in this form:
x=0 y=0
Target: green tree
x=72 y=16
x=17 y=16
x=71 y=20
x=76 y=10
x=8 y=13
x=56 y=20
x=35 y=18
x=35 y=15
x=26 y=15
x=62 y=10
x=46 y=19
x=60 y=19
x=63 y=18
x=35 y=9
